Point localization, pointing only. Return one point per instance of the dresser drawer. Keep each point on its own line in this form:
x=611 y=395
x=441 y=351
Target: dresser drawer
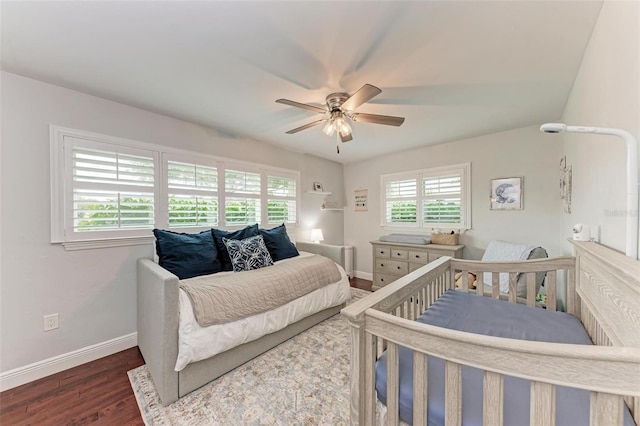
x=419 y=256
x=382 y=252
x=383 y=279
x=396 y=267
x=399 y=254
x=434 y=256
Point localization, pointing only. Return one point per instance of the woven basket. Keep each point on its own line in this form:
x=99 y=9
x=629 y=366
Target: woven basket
x=445 y=239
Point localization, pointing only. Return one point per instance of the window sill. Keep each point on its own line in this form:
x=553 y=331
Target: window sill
x=107 y=243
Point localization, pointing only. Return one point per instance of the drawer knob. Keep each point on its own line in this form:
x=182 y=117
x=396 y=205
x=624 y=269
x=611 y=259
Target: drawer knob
x=417 y=256
x=382 y=264
x=398 y=254
x=381 y=279
x=381 y=251
x=398 y=267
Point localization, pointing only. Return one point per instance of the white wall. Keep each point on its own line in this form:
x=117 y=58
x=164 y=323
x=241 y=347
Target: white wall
x=94 y=291
x=522 y=152
x=606 y=93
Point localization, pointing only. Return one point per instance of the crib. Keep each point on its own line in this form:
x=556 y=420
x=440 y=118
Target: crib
x=602 y=290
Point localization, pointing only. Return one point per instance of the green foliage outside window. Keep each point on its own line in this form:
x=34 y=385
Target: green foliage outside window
x=182 y=212
x=192 y=212
x=441 y=211
x=130 y=212
x=436 y=211
x=403 y=212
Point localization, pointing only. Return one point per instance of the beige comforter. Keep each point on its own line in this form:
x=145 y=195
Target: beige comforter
x=222 y=298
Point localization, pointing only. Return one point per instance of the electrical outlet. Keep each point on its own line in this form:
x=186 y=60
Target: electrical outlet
x=50 y=322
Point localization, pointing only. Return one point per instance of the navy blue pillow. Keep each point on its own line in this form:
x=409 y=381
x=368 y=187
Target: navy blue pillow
x=240 y=234
x=187 y=255
x=278 y=243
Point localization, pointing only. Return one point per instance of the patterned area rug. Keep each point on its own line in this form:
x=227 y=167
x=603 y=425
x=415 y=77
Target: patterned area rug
x=305 y=380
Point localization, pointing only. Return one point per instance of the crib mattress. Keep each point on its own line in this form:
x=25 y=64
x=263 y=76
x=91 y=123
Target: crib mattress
x=466 y=312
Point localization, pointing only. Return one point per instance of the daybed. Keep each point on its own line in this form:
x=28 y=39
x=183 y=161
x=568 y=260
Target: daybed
x=161 y=300
x=602 y=292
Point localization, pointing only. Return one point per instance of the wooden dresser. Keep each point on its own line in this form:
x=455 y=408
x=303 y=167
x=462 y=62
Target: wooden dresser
x=394 y=260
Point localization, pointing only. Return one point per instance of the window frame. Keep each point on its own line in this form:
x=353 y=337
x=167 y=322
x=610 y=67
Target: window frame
x=463 y=169
x=61 y=187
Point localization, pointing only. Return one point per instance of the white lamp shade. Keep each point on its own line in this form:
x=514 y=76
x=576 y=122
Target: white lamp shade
x=316 y=235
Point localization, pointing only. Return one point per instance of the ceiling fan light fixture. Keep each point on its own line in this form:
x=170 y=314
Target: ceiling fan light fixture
x=342 y=126
x=330 y=128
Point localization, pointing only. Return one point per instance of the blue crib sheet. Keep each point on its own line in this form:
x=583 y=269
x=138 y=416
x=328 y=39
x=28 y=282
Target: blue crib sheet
x=461 y=311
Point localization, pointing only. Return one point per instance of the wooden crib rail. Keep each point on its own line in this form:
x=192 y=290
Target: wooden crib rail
x=425 y=284
x=393 y=295
x=550 y=266
x=607 y=372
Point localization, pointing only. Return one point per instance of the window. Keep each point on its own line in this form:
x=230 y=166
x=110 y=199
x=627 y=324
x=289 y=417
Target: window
x=281 y=199
x=242 y=198
x=192 y=195
x=106 y=189
x=430 y=198
x=111 y=190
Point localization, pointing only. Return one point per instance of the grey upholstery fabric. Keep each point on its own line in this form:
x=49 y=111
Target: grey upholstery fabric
x=335 y=253
x=158 y=307
x=536 y=253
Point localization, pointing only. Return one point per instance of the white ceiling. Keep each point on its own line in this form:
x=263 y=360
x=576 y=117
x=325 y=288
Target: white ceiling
x=454 y=69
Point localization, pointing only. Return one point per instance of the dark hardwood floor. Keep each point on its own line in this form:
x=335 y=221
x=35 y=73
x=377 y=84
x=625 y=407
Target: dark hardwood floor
x=97 y=392
x=360 y=283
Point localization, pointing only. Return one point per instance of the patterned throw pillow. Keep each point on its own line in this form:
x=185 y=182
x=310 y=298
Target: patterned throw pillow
x=250 y=253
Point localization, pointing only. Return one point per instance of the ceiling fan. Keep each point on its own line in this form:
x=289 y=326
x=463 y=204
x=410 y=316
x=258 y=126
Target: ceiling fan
x=341 y=106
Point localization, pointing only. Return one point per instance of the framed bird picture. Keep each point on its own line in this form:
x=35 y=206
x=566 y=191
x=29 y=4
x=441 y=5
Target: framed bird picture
x=506 y=194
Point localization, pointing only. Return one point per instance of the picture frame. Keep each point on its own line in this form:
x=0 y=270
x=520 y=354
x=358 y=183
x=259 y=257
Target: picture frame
x=361 y=200
x=317 y=186
x=507 y=194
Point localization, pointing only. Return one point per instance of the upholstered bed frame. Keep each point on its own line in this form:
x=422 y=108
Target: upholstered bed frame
x=602 y=291
x=158 y=310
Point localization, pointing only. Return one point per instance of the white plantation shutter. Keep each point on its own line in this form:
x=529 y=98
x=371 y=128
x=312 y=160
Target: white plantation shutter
x=108 y=191
x=242 y=197
x=281 y=199
x=112 y=188
x=442 y=199
x=401 y=201
x=192 y=195
x=429 y=198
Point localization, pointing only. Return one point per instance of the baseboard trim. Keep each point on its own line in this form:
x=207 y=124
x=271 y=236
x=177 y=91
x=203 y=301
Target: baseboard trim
x=363 y=275
x=22 y=375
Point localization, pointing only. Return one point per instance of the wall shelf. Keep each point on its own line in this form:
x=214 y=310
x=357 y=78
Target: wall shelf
x=319 y=192
x=333 y=208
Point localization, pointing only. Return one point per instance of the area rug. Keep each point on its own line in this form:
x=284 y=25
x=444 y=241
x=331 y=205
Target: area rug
x=303 y=381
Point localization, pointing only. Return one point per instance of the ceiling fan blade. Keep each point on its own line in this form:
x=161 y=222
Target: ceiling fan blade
x=299 y=105
x=306 y=126
x=346 y=138
x=363 y=94
x=378 y=119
